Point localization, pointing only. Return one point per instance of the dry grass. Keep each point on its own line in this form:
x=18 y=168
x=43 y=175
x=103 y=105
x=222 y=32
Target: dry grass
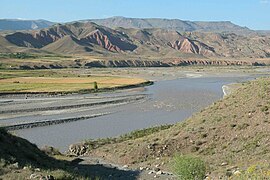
x=99 y=79
x=42 y=84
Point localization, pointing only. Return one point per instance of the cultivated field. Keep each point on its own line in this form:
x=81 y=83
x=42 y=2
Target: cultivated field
x=58 y=81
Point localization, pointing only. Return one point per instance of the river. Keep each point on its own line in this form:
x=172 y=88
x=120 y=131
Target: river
x=165 y=102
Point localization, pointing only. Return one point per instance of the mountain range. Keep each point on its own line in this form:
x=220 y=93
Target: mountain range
x=137 y=23
x=171 y=24
x=19 y=24
x=140 y=38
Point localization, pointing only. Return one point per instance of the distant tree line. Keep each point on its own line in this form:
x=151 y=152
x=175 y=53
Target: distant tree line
x=19 y=55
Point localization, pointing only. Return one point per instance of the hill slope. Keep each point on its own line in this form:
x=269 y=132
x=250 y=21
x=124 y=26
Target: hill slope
x=231 y=134
x=8 y=47
x=19 y=158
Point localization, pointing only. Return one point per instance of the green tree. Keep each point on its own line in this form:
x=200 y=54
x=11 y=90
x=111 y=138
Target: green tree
x=95 y=86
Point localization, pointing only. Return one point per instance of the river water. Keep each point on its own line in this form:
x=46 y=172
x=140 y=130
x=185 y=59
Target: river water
x=165 y=102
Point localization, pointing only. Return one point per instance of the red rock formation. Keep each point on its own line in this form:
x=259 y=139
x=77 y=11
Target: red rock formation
x=97 y=37
x=108 y=41
x=184 y=45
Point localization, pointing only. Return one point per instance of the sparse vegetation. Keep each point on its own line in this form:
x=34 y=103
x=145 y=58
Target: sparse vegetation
x=18 y=55
x=95 y=86
x=51 y=81
x=22 y=55
x=188 y=167
x=19 y=158
x=258 y=172
x=129 y=136
x=215 y=135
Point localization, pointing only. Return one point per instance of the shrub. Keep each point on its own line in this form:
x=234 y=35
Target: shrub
x=18 y=55
x=95 y=86
x=264 y=108
x=188 y=167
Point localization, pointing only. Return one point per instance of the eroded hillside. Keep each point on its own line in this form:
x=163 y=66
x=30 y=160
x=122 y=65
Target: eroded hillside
x=232 y=134
x=90 y=39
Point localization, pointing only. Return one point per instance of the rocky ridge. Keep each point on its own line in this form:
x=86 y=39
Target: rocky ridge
x=81 y=63
x=90 y=39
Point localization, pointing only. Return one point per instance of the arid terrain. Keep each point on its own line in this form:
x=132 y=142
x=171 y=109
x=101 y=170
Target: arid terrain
x=147 y=153
x=122 y=98
x=228 y=137
x=87 y=44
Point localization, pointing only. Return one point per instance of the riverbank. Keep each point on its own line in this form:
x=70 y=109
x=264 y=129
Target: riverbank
x=81 y=91
x=147 y=154
x=54 y=82
x=231 y=136
x=230 y=88
x=177 y=94
x=166 y=102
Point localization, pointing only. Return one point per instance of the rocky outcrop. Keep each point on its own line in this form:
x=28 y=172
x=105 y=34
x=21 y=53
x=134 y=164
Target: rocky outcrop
x=126 y=63
x=145 y=63
x=77 y=149
x=108 y=41
x=171 y=63
x=216 y=63
x=185 y=45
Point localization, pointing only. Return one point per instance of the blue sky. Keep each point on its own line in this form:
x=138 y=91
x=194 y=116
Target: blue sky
x=254 y=14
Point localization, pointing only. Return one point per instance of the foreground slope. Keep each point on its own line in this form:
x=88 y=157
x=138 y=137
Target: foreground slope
x=231 y=134
x=19 y=159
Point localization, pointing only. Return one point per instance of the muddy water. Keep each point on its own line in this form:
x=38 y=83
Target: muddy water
x=165 y=102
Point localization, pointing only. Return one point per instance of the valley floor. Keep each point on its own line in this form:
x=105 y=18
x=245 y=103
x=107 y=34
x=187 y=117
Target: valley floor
x=222 y=134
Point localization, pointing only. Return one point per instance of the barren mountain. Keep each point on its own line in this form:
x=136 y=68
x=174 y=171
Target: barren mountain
x=233 y=45
x=172 y=24
x=76 y=38
x=7 y=47
x=91 y=39
x=61 y=38
x=18 y=24
x=163 y=41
